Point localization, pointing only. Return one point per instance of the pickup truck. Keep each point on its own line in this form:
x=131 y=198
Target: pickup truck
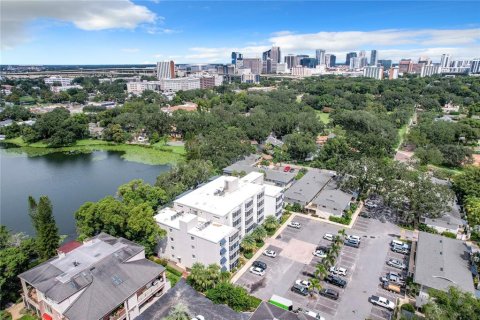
x=382 y=302
x=393 y=287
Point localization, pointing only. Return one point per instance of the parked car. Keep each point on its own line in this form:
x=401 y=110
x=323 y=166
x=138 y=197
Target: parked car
x=396 y=264
x=382 y=302
x=323 y=248
x=329 y=293
x=393 y=278
x=286 y=169
x=295 y=225
x=338 y=271
x=319 y=254
x=270 y=253
x=353 y=238
x=259 y=264
x=329 y=237
x=352 y=243
x=364 y=214
x=257 y=271
x=401 y=250
x=390 y=286
x=336 y=281
x=303 y=283
x=300 y=290
x=398 y=243
x=312 y=314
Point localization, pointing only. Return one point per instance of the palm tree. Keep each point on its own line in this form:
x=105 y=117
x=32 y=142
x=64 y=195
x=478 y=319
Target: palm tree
x=271 y=223
x=338 y=240
x=212 y=275
x=342 y=233
x=316 y=284
x=248 y=243
x=329 y=260
x=321 y=270
x=178 y=312
x=197 y=275
x=334 y=250
x=259 y=233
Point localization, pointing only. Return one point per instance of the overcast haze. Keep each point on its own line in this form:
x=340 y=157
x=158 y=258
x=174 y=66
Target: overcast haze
x=135 y=32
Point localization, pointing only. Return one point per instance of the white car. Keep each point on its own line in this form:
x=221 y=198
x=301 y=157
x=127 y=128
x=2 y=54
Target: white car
x=295 y=225
x=319 y=254
x=303 y=283
x=270 y=253
x=338 y=271
x=258 y=271
x=353 y=238
x=382 y=302
x=329 y=236
x=396 y=264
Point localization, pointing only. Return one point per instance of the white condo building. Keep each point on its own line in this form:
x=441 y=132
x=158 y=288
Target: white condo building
x=207 y=224
x=373 y=72
x=138 y=87
x=429 y=70
x=177 y=84
x=61 y=80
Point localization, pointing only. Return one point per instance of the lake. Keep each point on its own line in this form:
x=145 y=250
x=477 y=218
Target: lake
x=69 y=180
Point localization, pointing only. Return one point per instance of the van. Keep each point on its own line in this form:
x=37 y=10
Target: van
x=397 y=243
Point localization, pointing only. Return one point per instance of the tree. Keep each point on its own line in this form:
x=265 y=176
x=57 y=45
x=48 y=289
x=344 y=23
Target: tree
x=178 y=312
x=234 y=296
x=467 y=183
x=248 y=243
x=142 y=228
x=316 y=284
x=137 y=192
x=455 y=155
x=454 y=304
x=259 y=233
x=299 y=145
x=321 y=270
x=115 y=133
x=46 y=229
x=203 y=278
x=472 y=207
x=271 y=223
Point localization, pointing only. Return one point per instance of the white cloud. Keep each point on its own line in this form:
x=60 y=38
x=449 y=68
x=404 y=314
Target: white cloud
x=158 y=30
x=130 y=50
x=392 y=44
x=85 y=15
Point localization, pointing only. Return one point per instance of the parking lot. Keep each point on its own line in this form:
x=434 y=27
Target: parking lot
x=295 y=260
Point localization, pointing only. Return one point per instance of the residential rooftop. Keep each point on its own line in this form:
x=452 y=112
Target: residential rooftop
x=332 y=199
x=268 y=311
x=196 y=303
x=442 y=262
x=304 y=190
x=273 y=175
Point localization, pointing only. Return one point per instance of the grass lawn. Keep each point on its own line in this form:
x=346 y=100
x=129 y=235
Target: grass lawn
x=153 y=155
x=323 y=117
x=401 y=135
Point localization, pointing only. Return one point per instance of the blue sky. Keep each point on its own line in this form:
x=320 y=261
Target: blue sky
x=132 y=32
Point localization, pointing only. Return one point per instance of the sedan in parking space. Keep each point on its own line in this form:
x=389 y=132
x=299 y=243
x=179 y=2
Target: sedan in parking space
x=382 y=302
x=338 y=271
x=259 y=264
x=295 y=225
x=303 y=283
x=396 y=264
x=329 y=293
x=353 y=238
x=300 y=290
x=319 y=254
x=336 y=281
x=399 y=249
x=258 y=271
x=270 y=253
x=329 y=236
x=352 y=243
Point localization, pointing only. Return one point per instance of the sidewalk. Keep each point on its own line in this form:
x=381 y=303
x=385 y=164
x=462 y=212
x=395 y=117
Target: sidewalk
x=259 y=252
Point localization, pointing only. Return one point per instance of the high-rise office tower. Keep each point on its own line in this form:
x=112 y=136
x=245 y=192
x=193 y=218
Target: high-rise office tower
x=254 y=64
x=445 y=61
x=320 y=55
x=333 y=60
x=327 y=60
x=350 y=55
x=236 y=56
x=165 y=70
x=385 y=63
x=276 y=55
x=362 y=54
x=373 y=58
x=267 y=55
x=475 y=66
x=290 y=60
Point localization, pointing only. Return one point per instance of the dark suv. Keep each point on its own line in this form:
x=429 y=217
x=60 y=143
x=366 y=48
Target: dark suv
x=352 y=243
x=337 y=281
x=329 y=293
x=259 y=264
x=299 y=289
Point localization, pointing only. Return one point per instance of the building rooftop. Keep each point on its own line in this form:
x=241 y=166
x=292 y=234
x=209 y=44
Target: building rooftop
x=305 y=189
x=211 y=231
x=100 y=271
x=332 y=199
x=220 y=196
x=277 y=176
x=268 y=311
x=196 y=303
x=442 y=262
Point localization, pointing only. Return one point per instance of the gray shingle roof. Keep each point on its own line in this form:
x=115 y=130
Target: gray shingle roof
x=442 y=262
x=277 y=176
x=95 y=265
x=196 y=303
x=304 y=190
x=267 y=311
x=332 y=199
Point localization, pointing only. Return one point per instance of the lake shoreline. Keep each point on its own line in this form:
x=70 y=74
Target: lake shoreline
x=151 y=155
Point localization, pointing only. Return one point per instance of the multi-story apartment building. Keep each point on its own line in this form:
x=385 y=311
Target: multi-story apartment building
x=373 y=57
x=208 y=82
x=291 y=61
x=138 y=87
x=349 y=56
x=217 y=215
x=301 y=71
x=58 y=89
x=61 y=80
x=103 y=278
x=475 y=66
x=445 y=61
x=373 y=72
x=250 y=78
x=177 y=84
x=405 y=66
x=429 y=70
x=393 y=73
x=165 y=70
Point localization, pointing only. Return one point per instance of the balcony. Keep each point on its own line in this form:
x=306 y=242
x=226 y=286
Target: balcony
x=118 y=314
x=222 y=242
x=223 y=251
x=260 y=204
x=147 y=292
x=222 y=261
x=249 y=204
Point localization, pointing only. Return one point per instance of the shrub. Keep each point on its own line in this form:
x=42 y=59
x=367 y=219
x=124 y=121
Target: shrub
x=158 y=260
x=248 y=255
x=173 y=271
x=234 y=296
x=449 y=235
x=408 y=307
x=423 y=227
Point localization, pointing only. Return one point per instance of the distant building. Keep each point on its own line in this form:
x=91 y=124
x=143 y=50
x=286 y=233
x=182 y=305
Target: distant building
x=393 y=73
x=320 y=56
x=236 y=56
x=429 y=70
x=301 y=71
x=103 y=278
x=373 y=72
x=165 y=70
x=177 y=84
x=373 y=57
x=445 y=61
x=309 y=62
x=58 y=89
x=250 y=78
x=282 y=68
x=386 y=64
x=350 y=55
x=405 y=66
x=138 y=87
x=290 y=60
x=332 y=61
x=58 y=80
x=475 y=66
x=210 y=81
x=254 y=64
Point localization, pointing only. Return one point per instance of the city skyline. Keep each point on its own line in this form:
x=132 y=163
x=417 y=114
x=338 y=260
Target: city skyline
x=134 y=32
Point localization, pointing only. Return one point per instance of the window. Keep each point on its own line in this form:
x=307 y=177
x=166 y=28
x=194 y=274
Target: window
x=193 y=247
x=171 y=238
x=173 y=248
x=193 y=238
x=193 y=256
